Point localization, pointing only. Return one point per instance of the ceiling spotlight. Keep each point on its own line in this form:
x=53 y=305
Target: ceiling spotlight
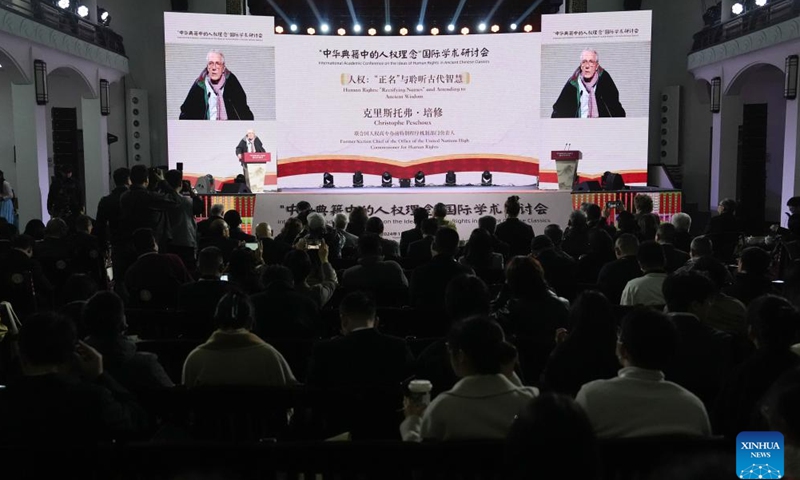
x=404 y=31
x=482 y=27
x=737 y=8
x=311 y=31
x=451 y=27
x=464 y=31
x=513 y=26
x=83 y=11
x=372 y=31
x=420 y=27
x=341 y=31
x=434 y=31
x=103 y=15
x=324 y=28
x=761 y=3
x=63 y=4
x=387 y=28
x=357 y=28
x=293 y=27
x=528 y=28
x=495 y=28
x=278 y=29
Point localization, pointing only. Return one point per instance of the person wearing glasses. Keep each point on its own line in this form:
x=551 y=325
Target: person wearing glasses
x=216 y=94
x=589 y=93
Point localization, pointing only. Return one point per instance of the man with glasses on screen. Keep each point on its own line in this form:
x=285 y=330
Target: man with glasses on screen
x=249 y=144
x=216 y=94
x=589 y=93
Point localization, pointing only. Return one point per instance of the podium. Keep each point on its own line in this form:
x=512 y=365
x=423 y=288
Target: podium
x=566 y=167
x=255 y=169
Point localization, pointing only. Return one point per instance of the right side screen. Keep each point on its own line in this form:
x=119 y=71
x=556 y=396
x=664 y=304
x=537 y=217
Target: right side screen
x=595 y=93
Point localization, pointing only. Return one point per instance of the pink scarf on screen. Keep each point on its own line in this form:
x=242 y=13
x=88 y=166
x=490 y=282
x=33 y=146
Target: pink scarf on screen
x=222 y=114
x=590 y=88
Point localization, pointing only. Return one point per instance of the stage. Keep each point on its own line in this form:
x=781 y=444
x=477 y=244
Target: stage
x=465 y=204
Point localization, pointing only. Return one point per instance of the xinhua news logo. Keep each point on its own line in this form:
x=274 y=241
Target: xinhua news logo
x=759 y=455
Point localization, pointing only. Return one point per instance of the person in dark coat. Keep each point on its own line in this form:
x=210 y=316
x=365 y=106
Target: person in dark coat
x=517 y=234
x=489 y=223
x=752 y=276
x=428 y=282
x=419 y=252
x=589 y=93
x=155 y=278
x=615 y=275
x=104 y=317
x=216 y=94
x=415 y=234
x=106 y=225
x=198 y=300
x=280 y=311
x=560 y=270
x=724 y=230
x=234 y=221
x=143 y=208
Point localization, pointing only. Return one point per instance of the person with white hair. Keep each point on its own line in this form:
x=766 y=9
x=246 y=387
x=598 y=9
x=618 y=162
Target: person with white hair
x=216 y=94
x=590 y=92
x=250 y=144
x=683 y=223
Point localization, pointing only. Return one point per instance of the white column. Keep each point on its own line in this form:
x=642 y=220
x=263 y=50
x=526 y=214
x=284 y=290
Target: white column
x=791 y=155
x=30 y=139
x=726 y=9
x=724 y=149
x=95 y=153
x=92 y=6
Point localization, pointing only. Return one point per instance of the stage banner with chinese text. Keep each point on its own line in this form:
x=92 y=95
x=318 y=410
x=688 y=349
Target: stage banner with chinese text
x=465 y=206
x=408 y=104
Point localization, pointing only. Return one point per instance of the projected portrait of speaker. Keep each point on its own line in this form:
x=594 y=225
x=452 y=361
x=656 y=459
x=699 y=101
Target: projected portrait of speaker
x=590 y=92
x=216 y=94
x=247 y=151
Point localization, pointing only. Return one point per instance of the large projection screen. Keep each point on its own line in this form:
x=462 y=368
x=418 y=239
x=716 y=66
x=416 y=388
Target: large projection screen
x=408 y=104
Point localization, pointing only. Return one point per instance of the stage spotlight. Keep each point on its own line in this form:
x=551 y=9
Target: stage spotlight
x=528 y=28
x=104 y=16
x=420 y=28
x=387 y=28
x=278 y=29
x=465 y=31
x=386 y=180
x=495 y=28
x=341 y=31
x=63 y=4
x=358 y=180
x=486 y=179
x=419 y=179
x=83 y=11
x=434 y=31
x=513 y=26
x=451 y=27
x=327 y=180
x=761 y=3
x=357 y=28
x=450 y=179
x=482 y=27
x=405 y=182
x=737 y=8
x=372 y=31
x=293 y=27
x=324 y=28
x=311 y=31
x=404 y=31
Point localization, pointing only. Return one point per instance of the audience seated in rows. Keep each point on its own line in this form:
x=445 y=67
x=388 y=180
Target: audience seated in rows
x=646 y=290
x=373 y=272
x=639 y=401
x=233 y=355
x=485 y=402
x=104 y=316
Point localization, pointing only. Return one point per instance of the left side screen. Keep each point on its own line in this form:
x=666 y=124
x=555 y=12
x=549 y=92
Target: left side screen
x=220 y=75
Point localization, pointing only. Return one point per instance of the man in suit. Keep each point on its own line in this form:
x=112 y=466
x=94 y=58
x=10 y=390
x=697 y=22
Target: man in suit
x=272 y=251
x=415 y=234
x=249 y=144
x=107 y=226
x=155 y=278
x=362 y=356
x=419 y=252
x=181 y=223
x=429 y=282
x=281 y=312
x=350 y=240
x=143 y=208
x=615 y=275
x=665 y=235
x=559 y=270
x=516 y=233
x=372 y=272
x=86 y=252
x=198 y=300
x=214 y=213
x=683 y=223
x=219 y=235
x=724 y=230
x=391 y=249
x=489 y=223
